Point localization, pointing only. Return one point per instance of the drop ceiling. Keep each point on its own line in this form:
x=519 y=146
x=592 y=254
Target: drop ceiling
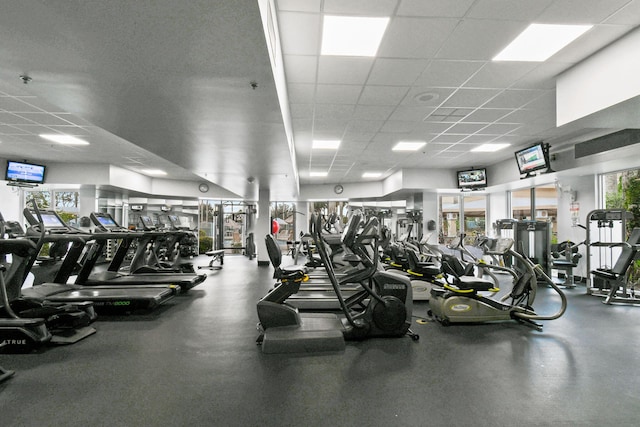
x=188 y=87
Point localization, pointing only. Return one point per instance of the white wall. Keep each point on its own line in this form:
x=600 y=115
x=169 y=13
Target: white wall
x=11 y=206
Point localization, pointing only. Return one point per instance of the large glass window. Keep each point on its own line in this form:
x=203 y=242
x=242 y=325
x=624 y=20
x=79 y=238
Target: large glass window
x=521 y=204
x=475 y=216
x=449 y=207
x=283 y=224
x=546 y=207
x=64 y=203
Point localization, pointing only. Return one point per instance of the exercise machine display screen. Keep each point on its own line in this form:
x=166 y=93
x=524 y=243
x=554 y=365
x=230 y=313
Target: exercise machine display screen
x=51 y=220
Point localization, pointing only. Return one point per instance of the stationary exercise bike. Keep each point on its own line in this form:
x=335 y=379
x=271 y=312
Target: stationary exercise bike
x=468 y=299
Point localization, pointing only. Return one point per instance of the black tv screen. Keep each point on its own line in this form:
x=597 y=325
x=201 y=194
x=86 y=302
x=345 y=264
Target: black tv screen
x=532 y=158
x=24 y=172
x=472 y=178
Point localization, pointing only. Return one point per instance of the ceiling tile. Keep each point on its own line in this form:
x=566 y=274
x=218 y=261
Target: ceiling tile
x=465 y=128
x=479 y=138
x=470 y=98
x=47 y=119
x=465 y=42
x=627 y=15
x=299 y=5
x=12 y=130
x=541 y=77
x=360 y=7
x=517 y=10
x=299 y=33
x=486 y=115
x=18 y=105
x=521 y=116
x=300 y=69
x=449 y=138
x=333 y=112
x=338 y=94
x=13 y=119
x=448 y=115
x=442 y=73
x=500 y=128
x=500 y=74
x=411 y=113
x=401 y=72
x=396 y=126
x=300 y=93
x=593 y=40
x=426 y=96
x=512 y=98
x=434 y=8
x=358 y=136
x=364 y=126
x=373 y=112
x=432 y=128
x=415 y=37
x=579 y=11
x=301 y=111
x=343 y=70
x=329 y=128
x=382 y=95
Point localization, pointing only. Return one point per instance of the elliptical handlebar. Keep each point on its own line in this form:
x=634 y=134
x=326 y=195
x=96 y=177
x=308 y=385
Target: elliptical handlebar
x=535 y=270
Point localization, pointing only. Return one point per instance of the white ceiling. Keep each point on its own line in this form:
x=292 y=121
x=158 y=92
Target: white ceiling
x=167 y=85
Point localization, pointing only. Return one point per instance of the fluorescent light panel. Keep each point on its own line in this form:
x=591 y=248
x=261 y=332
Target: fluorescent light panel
x=409 y=145
x=372 y=174
x=352 y=36
x=63 y=139
x=325 y=144
x=318 y=174
x=156 y=172
x=538 y=42
x=489 y=148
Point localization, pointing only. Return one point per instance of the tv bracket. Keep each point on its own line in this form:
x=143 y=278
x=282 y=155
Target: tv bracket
x=22 y=184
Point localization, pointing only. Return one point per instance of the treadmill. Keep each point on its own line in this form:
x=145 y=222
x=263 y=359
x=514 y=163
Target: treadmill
x=109 y=229
x=104 y=298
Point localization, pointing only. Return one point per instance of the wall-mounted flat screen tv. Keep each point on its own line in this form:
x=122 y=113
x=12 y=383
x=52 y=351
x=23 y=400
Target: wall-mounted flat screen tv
x=532 y=158
x=24 y=172
x=472 y=179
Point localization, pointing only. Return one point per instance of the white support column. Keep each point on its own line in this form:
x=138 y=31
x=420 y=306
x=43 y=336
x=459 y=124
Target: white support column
x=263 y=226
x=302 y=218
x=430 y=212
x=88 y=200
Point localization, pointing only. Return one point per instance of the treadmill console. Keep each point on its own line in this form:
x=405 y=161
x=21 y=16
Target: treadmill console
x=147 y=223
x=52 y=222
x=105 y=222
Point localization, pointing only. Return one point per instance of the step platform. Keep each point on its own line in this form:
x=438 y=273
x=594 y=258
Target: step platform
x=317 y=332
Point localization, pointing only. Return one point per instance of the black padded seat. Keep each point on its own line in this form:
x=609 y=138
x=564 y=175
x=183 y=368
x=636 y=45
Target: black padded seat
x=421 y=268
x=294 y=273
x=473 y=283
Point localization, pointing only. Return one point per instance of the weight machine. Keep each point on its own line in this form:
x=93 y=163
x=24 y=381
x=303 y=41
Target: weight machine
x=606 y=238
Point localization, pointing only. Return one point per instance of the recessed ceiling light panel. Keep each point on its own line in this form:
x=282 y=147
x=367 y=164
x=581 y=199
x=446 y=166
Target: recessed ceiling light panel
x=372 y=174
x=63 y=139
x=352 y=35
x=489 y=148
x=409 y=145
x=538 y=42
x=325 y=144
x=154 y=172
x=318 y=174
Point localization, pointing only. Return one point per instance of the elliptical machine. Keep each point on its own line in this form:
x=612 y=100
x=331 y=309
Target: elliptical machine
x=462 y=300
x=383 y=307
